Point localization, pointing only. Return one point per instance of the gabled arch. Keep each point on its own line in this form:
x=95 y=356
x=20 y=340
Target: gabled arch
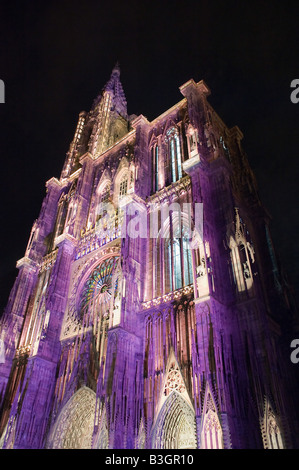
x=173 y=382
x=211 y=436
x=271 y=428
x=73 y=429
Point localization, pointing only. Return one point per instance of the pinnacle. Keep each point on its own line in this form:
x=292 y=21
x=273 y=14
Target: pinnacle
x=115 y=88
x=116 y=69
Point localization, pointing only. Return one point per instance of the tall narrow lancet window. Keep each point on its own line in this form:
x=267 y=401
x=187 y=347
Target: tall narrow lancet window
x=155 y=167
x=156 y=156
x=178 y=265
x=187 y=257
x=175 y=154
x=175 y=268
x=103 y=200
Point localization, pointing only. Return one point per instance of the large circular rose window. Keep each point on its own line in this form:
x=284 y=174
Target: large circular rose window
x=98 y=289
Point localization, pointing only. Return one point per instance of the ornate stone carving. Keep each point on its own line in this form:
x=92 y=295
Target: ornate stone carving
x=175 y=425
x=174 y=381
x=73 y=428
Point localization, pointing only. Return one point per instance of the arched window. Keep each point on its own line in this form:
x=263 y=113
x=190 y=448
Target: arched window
x=123 y=186
x=155 y=161
x=175 y=154
x=103 y=201
x=175 y=271
x=179 y=257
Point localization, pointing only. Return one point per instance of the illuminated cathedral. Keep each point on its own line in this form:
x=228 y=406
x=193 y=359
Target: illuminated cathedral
x=149 y=310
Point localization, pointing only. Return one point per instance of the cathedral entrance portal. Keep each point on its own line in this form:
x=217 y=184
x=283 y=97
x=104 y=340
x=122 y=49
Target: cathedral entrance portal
x=175 y=425
x=73 y=428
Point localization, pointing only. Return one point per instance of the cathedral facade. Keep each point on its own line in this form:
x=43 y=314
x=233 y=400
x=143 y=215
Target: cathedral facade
x=149 y=311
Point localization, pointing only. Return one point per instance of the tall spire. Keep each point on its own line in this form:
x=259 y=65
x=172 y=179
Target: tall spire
x=108 y=114
x=115 y=89
x=114 y=85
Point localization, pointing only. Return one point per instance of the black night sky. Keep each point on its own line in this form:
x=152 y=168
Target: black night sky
x=56 y=56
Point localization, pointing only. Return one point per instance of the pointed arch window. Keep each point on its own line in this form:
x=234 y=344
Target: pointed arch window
x=175 y=268
x=175 y=154
x=123 y=186
x=155 y=160
x=103 y=200
x=179 y=258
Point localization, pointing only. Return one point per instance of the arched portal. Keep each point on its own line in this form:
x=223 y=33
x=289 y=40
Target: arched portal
x=175 y=425
x=74 y=426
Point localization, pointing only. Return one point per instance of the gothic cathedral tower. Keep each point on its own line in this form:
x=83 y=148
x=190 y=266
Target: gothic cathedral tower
x=149 y=310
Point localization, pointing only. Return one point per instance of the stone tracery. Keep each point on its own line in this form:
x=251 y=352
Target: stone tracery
x=74 y=426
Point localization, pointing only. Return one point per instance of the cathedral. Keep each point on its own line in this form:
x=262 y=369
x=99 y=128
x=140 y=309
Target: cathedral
x=149 y=310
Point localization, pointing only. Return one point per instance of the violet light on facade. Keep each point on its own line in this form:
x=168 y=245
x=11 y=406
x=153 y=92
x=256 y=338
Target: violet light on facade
x=126 y=328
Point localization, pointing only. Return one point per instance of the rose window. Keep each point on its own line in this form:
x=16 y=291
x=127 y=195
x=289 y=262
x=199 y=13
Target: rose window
x=98 y=289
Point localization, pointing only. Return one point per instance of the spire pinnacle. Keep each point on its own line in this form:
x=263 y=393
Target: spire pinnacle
x=116 y=69
x=114 y=87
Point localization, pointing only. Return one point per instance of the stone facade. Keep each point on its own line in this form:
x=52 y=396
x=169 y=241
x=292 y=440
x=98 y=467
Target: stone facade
x=129 y=328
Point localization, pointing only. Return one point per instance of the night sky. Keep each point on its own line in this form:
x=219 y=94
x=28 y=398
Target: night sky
x=55 y=57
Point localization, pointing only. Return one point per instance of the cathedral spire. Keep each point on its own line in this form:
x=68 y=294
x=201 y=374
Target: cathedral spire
x=109 y=114
x=115 y=90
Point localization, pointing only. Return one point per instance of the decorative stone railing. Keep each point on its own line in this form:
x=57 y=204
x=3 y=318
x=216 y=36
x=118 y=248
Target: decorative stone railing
x=98 y=235
x=177 y=294
x=48 y=260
